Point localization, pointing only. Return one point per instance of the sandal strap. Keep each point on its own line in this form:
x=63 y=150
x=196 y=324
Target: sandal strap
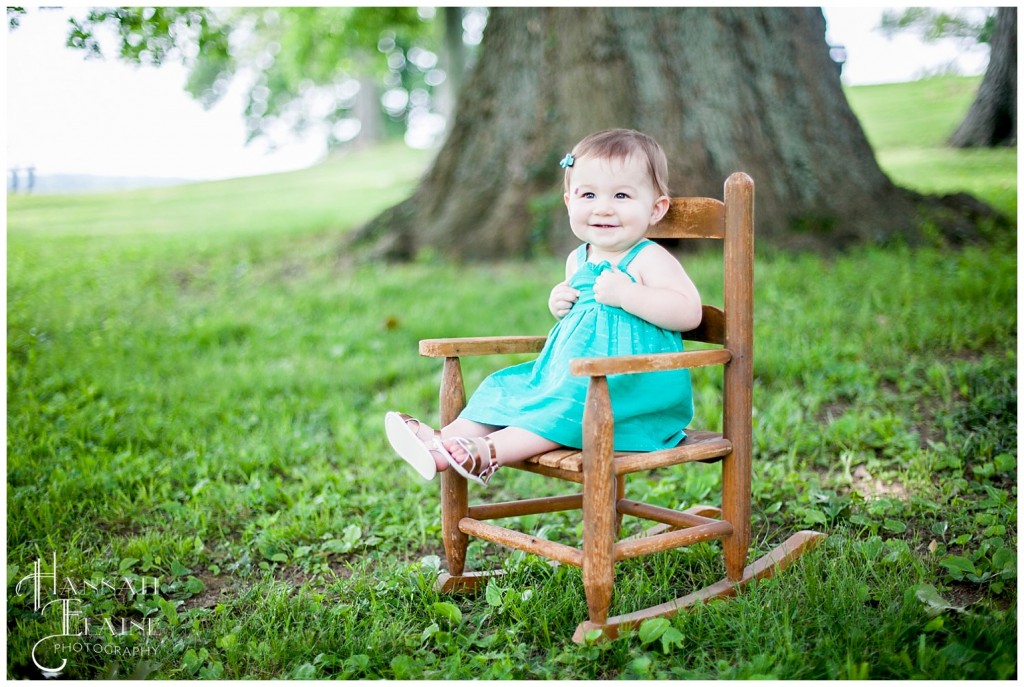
x=474 y=463
x=419 y=425
x=492 y=461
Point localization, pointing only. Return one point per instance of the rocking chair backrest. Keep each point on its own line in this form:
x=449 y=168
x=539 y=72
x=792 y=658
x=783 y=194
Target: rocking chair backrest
x=732 y=327
x=733 y=222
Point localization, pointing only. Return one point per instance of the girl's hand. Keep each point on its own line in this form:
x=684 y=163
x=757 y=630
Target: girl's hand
x=611 y=287
x=562 y=299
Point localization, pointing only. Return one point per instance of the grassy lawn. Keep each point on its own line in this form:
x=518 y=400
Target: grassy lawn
x=908 y=125
x=196 y=382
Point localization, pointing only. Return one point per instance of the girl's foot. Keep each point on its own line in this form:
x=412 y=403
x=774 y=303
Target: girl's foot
x=416 y=443
x=474 y=459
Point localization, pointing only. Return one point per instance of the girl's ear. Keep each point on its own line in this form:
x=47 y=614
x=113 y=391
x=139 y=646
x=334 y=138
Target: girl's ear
x=661 y=206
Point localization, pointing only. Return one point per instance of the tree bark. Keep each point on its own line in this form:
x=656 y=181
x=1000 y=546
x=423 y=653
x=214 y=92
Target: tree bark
x=722 y=89
x=992 y=118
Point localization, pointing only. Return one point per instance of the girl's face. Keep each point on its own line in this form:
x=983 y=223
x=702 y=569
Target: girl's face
x=612 y=202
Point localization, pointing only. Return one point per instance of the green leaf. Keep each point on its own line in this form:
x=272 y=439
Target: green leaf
x=652 y=628
x=358 y=661
x=169 y=611
x=932 y=600
x=352 y=535
x=431 y=630
x=1004 y=560
x=994 y=531
x=815 y=517
x=191 y=661
x=894 y=526
x=1005 y=462
x=449 y=611
x=486 y=642
x=872 y=547
x=307 y=671
x=403 y=666
x=228 y=641
x=671 y=638
x=640 y=666
x=958 y=566
x=336 y=546
x=125 y=564
x=493 y=594
x=179 y=570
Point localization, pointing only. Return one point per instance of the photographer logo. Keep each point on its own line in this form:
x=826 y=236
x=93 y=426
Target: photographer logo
x=53 y=594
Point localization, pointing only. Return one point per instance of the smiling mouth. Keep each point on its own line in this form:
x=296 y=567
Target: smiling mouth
x=605 y=226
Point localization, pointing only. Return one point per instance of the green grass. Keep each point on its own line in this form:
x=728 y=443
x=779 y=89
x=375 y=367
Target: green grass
x=908 y=124
x=197 y=376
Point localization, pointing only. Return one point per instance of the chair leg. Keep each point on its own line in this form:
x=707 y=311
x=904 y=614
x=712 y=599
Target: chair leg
x=599 y=497
x=454 y=507
x=736 y=510
x=454 y=492
x=598 y=560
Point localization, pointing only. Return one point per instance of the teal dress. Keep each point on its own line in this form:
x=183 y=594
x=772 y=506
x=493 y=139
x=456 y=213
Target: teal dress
x=651 y=409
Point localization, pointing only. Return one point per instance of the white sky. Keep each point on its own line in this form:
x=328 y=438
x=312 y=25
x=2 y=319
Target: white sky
x=66 y=114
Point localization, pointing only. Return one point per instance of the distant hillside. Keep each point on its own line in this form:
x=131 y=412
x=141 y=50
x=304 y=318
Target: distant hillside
x=85 y=183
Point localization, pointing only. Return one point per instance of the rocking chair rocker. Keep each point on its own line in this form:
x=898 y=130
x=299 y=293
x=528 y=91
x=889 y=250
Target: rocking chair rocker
x=602 y=472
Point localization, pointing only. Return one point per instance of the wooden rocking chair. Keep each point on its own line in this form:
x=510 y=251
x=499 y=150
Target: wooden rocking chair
x=602 y=472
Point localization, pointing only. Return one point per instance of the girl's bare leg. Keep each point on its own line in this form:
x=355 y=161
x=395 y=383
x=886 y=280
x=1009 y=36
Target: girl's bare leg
x=511 y=444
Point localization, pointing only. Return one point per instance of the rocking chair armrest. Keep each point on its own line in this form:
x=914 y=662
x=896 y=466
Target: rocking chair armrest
x=656 y=362
x=480 y=345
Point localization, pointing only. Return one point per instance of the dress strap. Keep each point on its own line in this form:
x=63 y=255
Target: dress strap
x=624 y=263
x=581 y=255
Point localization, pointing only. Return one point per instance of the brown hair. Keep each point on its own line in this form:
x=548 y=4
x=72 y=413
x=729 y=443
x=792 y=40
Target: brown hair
x=621 y=144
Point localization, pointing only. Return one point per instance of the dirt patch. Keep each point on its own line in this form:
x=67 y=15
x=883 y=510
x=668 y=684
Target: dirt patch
x=872 y=487
x=215 y=588
x=962 y=596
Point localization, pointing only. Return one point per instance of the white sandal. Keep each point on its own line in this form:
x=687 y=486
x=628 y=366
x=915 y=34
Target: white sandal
x=473 y=467
x=404 y=440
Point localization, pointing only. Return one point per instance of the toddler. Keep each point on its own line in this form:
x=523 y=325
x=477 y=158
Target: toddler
x=622 y=295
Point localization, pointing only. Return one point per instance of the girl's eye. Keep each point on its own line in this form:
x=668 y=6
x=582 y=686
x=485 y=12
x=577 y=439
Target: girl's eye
x=589 y=195
x=622 y=196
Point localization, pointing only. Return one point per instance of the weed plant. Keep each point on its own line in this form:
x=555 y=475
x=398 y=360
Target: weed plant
x=196 y=381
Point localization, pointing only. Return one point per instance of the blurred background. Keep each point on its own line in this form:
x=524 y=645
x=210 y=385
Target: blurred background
x=79 y=120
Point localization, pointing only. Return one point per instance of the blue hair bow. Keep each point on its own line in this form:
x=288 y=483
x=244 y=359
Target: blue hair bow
x=567 y=161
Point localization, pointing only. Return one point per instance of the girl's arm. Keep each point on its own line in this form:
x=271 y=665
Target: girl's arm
x=663 y=295
x=563 y=296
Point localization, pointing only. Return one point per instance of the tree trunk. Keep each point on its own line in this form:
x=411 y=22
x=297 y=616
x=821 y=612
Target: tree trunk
x=367 y=110
x=454 y=61
x=722 y=89
x=992 y=119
